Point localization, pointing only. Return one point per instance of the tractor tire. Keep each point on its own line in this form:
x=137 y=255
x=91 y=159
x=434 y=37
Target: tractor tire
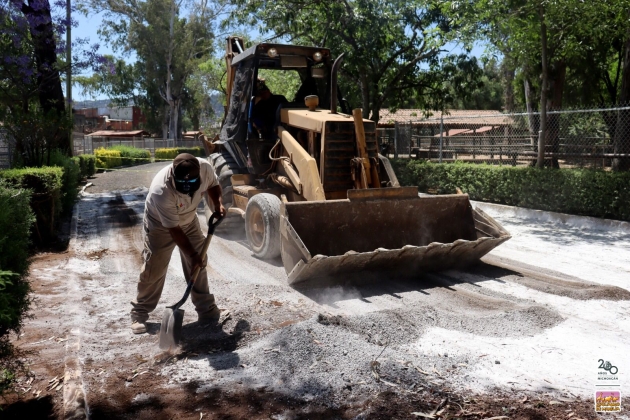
x=262 y=225
x=224 y=167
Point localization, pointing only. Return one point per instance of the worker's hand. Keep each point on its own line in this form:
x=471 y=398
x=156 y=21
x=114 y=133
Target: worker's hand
x=220 y=213
x=197 y=261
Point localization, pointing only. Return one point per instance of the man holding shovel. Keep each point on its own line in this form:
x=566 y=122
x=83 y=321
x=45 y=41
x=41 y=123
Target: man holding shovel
x=170 y=218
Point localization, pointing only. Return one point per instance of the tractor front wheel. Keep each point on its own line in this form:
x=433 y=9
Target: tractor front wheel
x=262 y=225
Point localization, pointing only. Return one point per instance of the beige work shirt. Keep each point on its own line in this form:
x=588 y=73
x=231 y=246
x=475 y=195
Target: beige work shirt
x=166 y=207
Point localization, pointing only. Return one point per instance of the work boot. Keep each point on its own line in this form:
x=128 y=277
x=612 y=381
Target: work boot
x=210 y=317
x=138 y=327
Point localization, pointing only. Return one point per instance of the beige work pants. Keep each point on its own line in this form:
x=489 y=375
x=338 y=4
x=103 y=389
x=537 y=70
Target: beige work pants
x=158 y=248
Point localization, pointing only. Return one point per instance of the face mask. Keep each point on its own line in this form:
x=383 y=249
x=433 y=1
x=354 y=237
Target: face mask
x=187 y=186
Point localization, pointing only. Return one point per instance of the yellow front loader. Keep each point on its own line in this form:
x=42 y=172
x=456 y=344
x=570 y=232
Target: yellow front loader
x=316 y=192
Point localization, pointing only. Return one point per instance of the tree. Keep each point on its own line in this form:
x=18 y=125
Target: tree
x=477 y=87
x=168 y=47
x=32 y=105
x=207 y=91
x=30 y=70
x=393 y=49
x=551 y=39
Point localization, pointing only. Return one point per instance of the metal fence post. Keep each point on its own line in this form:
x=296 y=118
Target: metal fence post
x=396 y=140
x=441 y=134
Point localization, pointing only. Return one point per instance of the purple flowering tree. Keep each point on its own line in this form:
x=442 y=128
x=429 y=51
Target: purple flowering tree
x=32 y=103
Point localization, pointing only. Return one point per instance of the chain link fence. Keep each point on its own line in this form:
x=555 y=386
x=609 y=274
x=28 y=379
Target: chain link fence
x=83 y=144
x=593 y=138
x=88 y=144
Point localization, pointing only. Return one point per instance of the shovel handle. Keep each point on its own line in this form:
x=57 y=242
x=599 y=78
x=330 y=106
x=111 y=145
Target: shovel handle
x=212 y=224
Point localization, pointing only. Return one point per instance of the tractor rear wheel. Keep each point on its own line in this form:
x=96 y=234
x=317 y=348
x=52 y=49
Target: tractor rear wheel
x=224 y=167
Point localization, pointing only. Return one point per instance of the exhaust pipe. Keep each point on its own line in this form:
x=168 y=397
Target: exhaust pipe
x=333 y=84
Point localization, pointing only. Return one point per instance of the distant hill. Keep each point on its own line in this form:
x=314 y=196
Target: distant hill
x=99 y=103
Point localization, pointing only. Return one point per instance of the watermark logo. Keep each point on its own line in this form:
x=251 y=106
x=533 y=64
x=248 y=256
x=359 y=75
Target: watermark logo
x=607 y=401
x=607 y=372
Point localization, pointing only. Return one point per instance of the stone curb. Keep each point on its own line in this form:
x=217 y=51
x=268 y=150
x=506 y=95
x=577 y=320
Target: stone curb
x=549 y=216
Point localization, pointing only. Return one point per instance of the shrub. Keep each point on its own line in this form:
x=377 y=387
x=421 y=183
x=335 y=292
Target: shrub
x=71 y=178
x=172 y=152
x=584 y=192
x=107 y=158
x=45 y=185
x=166 y=153
x=16 y=219
x=133 y=156
x=87 y=164
x=195 y=151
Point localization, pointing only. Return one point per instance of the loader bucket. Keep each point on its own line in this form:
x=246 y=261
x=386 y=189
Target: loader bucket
x=386 y=229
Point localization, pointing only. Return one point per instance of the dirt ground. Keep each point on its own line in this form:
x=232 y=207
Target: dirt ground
x=517 y=337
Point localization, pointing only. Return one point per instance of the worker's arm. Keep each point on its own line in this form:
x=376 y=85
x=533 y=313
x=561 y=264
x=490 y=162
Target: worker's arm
x=214 y=193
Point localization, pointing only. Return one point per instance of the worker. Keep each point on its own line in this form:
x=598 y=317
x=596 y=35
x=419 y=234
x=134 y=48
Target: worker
x=170 y=218
x=264 y=109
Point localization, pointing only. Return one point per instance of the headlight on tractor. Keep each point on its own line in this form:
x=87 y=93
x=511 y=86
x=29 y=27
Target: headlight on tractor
x=317 y=56
x=272 y=52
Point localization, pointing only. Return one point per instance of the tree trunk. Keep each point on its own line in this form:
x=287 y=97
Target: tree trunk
x=508 y=79
x=365 y=95
x=622 y=131
x=540 y=162
x=50 y=93
x=532 y=122
x=174 y=118
x=165 y=123
x=553 y=121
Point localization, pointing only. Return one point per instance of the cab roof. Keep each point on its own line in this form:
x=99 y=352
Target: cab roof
x=260 y=50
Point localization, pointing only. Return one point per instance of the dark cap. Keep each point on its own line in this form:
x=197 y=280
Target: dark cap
x=185 y=164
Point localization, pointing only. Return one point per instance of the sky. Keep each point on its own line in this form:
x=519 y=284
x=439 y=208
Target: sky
x=88 y=27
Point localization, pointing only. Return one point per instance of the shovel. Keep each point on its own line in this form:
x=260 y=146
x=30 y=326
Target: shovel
x=171 y=328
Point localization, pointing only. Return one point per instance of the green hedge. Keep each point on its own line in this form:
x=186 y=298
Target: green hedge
x=71 y=177
x=584 y=192
x=16 y=219
x=171 y=153
x=87 y=164
x=133 y=156
x=46 y=185
x=107 y=158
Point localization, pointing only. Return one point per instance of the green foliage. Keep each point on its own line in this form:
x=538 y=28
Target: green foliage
x=45 y=184
x=14 y=301
x=285 y=83
x=36 y=134
x=171 y=153
x=71 y=175
x=166 y=153
x=206 y=86
x=16 y=219
x=132 y=156
x=107 y=158
x=584 y=192
x=87 y=164
x=393 y=49
x=482 y=91
x=168 y=46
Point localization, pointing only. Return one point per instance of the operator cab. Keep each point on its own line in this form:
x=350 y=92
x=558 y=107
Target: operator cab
x=266 y=79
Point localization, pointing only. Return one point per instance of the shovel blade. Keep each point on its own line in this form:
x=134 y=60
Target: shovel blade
x=171 y=328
